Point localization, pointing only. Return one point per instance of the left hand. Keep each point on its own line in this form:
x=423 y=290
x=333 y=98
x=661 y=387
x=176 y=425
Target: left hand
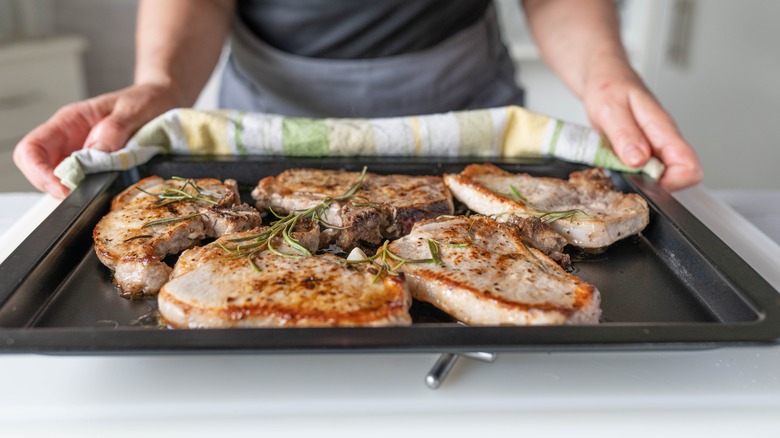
x=619 y=105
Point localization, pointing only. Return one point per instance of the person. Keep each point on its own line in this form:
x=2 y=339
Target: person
x=345 y=59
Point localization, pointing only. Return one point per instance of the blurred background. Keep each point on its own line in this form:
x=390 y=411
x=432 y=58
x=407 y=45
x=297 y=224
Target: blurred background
x=713 y=64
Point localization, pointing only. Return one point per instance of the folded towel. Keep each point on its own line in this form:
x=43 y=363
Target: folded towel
x=496 y=132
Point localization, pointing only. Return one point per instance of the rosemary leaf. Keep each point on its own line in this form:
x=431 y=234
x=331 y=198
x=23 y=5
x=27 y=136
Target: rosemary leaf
x=281 y=254
x=229 y=250
x=326 y=224
x=292 y=242
x=144 y=191
x=262 y=236
x=386 y=253
x=358 y=261
x=396 y=267
x=140 y=236
x=365 y=202
x=517 y=193
x=434 y=248
x=452 y=245
x=376 y=277
x=276 y=215
x=253 y=264
x=170 y=220
x=552 y=216
x=351 y=192
x=172 y=192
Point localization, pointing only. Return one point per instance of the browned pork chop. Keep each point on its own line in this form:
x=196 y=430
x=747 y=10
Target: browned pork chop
x=585 y=210
x=145 y=224
x=385 y=206
x=487 y=276
x=212 y=287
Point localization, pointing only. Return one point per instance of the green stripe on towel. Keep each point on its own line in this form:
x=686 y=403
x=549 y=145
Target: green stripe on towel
x=305 y=137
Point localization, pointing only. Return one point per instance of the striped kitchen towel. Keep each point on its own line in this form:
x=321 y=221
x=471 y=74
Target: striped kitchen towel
x=509 y=131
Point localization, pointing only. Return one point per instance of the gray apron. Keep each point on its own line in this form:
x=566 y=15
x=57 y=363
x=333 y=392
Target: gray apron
x=471 y=69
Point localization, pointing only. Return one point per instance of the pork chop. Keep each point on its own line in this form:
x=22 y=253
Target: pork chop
x=585 y=210
x=487 y=276
x=155 y=218
x=383 y=207
x=217 y=286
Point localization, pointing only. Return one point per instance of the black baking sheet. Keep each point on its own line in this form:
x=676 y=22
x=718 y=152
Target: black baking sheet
x=674 y=286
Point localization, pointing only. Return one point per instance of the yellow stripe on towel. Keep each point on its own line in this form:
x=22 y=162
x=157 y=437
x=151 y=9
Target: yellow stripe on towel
x=205 y=133
x=524 y=133
x=415 y=124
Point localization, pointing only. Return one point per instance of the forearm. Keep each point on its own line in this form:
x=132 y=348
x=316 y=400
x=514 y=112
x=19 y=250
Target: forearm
x=580 y=40
x=178 y=43
x=575 y=37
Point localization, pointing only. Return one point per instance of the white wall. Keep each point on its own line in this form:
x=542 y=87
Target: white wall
x=726 y=100
x=109 y=26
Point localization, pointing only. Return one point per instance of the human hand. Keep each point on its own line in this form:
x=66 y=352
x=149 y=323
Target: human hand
x=104 y=122
x=619 y=105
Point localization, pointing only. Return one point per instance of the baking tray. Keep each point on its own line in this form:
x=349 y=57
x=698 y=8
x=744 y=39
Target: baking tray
x=675 y=286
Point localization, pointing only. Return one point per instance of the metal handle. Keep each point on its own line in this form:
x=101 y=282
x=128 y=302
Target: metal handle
x=441 y=369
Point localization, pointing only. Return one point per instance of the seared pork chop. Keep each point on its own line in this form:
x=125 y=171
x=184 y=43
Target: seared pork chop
x=384 y=207
x=155 y=218
x=213 y=286
x=585 y=210
x=487 y=276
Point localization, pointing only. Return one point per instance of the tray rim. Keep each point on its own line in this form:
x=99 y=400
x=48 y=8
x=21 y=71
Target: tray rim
x=609 y=336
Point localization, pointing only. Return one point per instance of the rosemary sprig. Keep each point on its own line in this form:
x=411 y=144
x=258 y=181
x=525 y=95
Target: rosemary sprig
x=284 y=225
x=552 y=216
x=546 y=216
x=170 y=195
x=386 y=258
x=264 y=240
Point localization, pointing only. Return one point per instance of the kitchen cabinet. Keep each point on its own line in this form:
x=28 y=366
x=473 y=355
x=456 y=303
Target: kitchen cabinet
x=37 y=77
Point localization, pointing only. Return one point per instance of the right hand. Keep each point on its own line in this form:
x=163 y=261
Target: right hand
x=105 y=122
x=620 y=105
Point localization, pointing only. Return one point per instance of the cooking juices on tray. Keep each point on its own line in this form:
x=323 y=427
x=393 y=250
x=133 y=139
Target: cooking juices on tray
x=482 y=270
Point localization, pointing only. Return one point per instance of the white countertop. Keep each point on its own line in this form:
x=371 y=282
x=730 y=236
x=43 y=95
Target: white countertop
x=716 y=393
